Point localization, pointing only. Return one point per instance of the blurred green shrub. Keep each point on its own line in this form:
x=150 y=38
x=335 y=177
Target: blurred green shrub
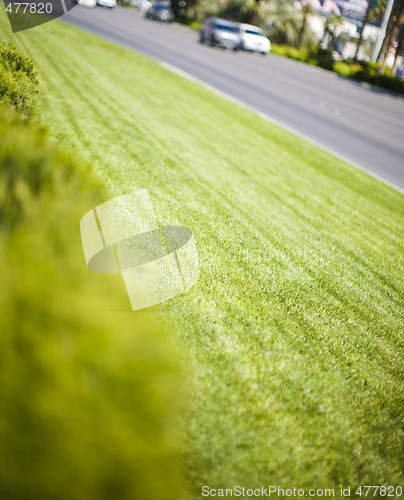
x=341 y=68
x=290 y=52
x=195 y=26
x=89 y=396
x=362 y=71
x=371 y=67
x=18 y=80
x=395 y=84
x=362 y=76
x=354 y=68
x=324 y=57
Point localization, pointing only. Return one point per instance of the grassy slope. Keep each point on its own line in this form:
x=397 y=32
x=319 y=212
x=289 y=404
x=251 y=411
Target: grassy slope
x=295 y=330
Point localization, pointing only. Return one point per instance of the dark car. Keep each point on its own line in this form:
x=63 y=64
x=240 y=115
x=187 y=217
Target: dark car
x=220 y=32
x=160 y=11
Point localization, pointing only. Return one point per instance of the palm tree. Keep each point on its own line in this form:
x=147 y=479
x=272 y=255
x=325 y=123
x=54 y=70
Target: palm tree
x=307 y=10
x=399 y=51
x=284 y=23
x=377 y=13
x=364 y=22
x=392 y=32
x=330 y=27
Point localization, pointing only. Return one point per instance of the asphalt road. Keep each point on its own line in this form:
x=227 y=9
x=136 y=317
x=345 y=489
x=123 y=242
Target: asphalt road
x=361 y=123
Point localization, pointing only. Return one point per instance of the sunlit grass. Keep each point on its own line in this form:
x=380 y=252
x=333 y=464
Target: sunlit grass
x=294 y=334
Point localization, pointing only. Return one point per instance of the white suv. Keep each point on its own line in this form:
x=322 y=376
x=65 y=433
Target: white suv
x=253 y=38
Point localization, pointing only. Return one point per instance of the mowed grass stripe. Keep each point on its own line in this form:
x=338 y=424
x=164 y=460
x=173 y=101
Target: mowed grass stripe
x=294 y=334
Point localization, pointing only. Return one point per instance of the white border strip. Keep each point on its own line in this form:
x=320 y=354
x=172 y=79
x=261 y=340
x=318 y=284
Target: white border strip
x=267 y=118
x=64 y=6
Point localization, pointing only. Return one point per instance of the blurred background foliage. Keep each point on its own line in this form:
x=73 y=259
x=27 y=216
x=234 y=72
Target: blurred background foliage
x=89 y=390
x=279 y=19
x=286 y=24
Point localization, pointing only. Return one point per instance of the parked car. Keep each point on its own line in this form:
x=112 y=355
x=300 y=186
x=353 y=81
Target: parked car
x=253 y=38
x=107 y=3
x=160 y=11
x=86 y=3
x=220 y=32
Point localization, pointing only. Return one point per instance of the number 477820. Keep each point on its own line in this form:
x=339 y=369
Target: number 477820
x=384 y=491
x=34 y=8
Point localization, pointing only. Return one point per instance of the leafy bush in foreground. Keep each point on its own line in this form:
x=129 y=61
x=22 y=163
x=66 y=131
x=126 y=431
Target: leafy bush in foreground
x=88 y=395
x=18 y=80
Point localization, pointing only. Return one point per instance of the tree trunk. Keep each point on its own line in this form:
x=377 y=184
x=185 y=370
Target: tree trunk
x=387 y=36
x=254 y=12
x=399 y=51
x=391 y=35
x=331 y=40
x=301 y=34
x=365 y=20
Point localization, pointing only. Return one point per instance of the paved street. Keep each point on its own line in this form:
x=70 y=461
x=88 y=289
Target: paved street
x=361 y=123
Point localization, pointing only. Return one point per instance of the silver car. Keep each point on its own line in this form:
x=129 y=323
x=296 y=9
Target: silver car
x=220 y=32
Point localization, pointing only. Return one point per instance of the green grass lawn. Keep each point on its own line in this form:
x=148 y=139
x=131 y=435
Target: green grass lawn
x=293 y=337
